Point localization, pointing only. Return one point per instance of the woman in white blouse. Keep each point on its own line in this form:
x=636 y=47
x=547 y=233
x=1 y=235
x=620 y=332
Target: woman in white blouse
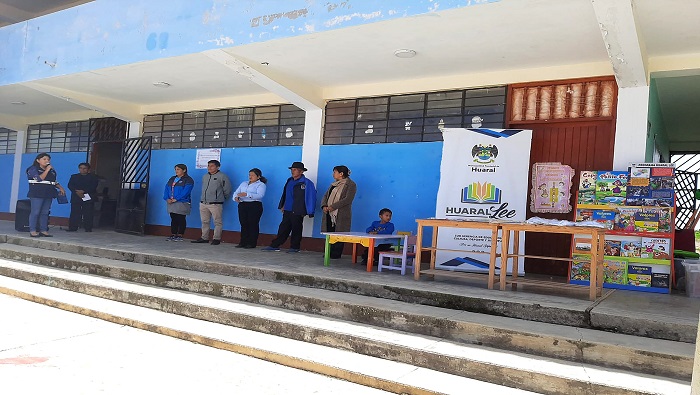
x=249 y=197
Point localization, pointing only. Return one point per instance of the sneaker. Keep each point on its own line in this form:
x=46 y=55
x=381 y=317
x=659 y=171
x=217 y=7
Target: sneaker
x=200 y=240
x=271 y=248
x=170 y=238
x=292 y=251
x=178 y=238
x=215 y=242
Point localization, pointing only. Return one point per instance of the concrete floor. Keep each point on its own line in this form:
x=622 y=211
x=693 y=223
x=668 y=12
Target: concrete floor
x=617 y=307
x=84 y=355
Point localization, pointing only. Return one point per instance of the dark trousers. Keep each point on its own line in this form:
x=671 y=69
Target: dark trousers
x=291 y=223
x=249 y=214
x=81 y=213
x=178 y=223
x=336 y=248
x=377 y=249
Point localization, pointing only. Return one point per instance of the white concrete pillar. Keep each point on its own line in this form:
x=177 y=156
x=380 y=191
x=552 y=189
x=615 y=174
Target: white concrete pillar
x=134 y=129
x=18 y=173
x=631 y=127
x=310 y=154
x=695 y=384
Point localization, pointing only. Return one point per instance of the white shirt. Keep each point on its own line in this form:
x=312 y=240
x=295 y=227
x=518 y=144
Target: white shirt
x=254 y=191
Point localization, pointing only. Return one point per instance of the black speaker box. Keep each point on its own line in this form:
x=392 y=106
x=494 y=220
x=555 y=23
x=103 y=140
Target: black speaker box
x=22 y=210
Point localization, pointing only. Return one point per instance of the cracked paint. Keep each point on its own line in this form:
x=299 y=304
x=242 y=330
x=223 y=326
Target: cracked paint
x=267 y=19
x=344 y=18
x=222 y=40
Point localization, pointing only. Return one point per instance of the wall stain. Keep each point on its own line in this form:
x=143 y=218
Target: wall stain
x=267 y=19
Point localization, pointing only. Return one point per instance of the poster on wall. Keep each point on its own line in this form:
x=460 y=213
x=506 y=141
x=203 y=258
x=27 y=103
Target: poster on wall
x=551 y=188
x=483 y=177
x=205 y=155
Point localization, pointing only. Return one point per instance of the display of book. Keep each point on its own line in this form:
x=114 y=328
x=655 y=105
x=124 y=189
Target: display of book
x=637 y=208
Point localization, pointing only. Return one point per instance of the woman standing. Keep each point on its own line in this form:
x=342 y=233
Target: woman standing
x=42 y=190
x=249 y=197
x=337 y=206
x=177 y=194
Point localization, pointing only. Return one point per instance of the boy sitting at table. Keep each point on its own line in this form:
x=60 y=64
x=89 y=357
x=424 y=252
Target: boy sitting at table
x=381 y=227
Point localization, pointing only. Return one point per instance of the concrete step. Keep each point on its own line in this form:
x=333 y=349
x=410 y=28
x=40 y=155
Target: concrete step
x=633 y=353
x=251 y=264
x=373 y=372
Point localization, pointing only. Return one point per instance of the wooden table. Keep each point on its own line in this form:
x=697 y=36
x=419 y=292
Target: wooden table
x=365 y=239
x=597 y=241
x=447 y=223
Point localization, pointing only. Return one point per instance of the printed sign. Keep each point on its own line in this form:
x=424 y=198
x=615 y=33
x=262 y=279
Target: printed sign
x=483 y=177
x=205 y=155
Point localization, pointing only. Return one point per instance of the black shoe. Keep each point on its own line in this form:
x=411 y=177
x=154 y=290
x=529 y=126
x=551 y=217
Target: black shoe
x=45 y=235
x=248 y=247
x=200 y=240
x=215 y=242
x=240 y=246
x=71 y=230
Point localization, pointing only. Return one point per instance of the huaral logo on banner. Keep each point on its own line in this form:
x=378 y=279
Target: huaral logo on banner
x=484 y=153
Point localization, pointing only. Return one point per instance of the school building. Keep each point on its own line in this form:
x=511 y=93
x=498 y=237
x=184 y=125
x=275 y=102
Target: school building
x=366 y=84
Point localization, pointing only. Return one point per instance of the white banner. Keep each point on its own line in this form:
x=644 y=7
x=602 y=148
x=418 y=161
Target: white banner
x=483 y=177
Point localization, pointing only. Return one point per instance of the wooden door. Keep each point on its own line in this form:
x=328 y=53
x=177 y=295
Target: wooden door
x=583 y=145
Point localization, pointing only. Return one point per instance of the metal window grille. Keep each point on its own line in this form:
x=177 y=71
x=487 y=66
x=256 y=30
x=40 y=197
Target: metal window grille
x=59 y=137
x=8 y=141
x=412 y=117
x=232 y=127
x=686 y=187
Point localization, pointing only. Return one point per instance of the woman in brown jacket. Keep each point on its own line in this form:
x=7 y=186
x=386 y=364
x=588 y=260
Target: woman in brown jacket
x=337 y=206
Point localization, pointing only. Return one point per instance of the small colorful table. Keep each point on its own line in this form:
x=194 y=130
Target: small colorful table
x=365 y=239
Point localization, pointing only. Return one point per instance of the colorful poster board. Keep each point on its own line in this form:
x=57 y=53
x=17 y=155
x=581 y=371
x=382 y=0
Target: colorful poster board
x=551 y=188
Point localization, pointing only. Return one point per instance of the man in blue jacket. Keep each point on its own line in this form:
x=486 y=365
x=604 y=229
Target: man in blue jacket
x=298 y=200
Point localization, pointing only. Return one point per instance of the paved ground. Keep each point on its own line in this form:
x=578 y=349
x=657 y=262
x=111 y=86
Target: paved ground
x=625 y=305
x=83 y=355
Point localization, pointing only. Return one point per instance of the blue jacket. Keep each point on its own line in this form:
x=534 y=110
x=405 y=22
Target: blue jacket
x=299 y=196
x=181 y=191
x=380 y=228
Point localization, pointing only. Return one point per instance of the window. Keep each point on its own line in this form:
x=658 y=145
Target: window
x=8 y=141
x=412 y=117
x=233 y=127
x=59 y=137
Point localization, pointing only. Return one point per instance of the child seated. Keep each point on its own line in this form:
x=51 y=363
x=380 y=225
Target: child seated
x=381 y=227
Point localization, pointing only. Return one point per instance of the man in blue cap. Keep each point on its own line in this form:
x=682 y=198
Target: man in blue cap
x=298 y=200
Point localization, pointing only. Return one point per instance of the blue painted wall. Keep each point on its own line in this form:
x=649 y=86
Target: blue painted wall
x=65 y=163
x=116 y=32
x=7 y=163
x=403 y=177
x=273 y=161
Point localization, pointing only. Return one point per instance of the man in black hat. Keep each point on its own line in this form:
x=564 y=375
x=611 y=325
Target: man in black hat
x=298 y=200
